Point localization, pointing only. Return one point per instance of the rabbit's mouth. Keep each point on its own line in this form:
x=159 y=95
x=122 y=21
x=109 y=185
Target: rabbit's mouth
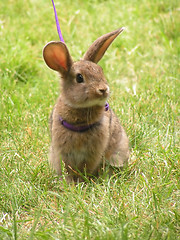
x=99 y=98
x=95 y=102
x=87 y=103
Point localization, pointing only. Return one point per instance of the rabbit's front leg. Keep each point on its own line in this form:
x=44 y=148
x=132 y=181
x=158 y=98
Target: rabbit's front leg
x=55 y=159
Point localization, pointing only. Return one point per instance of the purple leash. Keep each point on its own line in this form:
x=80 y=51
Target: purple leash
x=57 y=23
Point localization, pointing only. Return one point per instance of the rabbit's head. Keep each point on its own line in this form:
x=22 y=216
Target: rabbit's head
x=83 y=82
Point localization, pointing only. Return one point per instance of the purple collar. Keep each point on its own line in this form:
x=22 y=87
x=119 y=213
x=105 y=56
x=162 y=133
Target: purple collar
x=80 y=128
x=106 y=106
x=77 y=128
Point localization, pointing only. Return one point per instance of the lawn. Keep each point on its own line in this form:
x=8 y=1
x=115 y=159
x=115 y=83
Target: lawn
x=142 y=68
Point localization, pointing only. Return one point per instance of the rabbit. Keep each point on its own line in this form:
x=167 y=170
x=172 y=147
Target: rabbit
x=85 y=132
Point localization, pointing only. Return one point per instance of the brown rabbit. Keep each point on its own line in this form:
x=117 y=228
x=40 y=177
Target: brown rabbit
x=85 y=132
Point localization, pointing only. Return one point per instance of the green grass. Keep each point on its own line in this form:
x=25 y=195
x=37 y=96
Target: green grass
x=143 y=73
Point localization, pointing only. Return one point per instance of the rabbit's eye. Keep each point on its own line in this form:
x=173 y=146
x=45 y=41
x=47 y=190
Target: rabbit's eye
x=79 y=78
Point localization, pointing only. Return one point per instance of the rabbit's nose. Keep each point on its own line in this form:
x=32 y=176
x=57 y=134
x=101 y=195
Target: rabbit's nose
x=103 y=90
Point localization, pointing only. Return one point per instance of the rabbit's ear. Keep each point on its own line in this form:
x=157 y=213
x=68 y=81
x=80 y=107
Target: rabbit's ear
x=57 y=57
x=98 y=48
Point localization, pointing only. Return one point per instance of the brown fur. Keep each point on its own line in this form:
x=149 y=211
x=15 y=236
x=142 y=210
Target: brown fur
x=83 y=104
